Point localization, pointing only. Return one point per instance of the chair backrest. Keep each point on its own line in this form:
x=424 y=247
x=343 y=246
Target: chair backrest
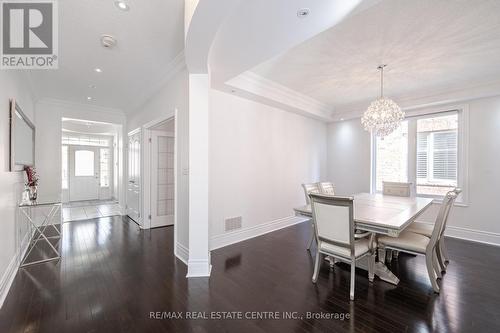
x=308 y=189
x=326 y=188
x=396 y=189
x=442 y=217
x=457 y=192
x=334 y=219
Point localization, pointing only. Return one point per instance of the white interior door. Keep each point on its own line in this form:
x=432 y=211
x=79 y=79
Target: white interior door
x=84 y=173
x=162 y=178
x=134 y=177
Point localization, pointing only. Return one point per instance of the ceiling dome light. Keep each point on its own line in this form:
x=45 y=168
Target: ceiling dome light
x=122 y=5
x=383 y=115
x=98 y=70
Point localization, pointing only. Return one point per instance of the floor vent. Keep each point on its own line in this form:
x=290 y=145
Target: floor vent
x=233 y=223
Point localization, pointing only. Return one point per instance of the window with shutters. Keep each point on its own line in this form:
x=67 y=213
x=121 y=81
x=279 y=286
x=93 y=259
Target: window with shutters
x=424 y=151
x=437 y=154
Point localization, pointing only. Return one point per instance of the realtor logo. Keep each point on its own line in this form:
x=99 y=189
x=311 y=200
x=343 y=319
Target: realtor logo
x=29 y=34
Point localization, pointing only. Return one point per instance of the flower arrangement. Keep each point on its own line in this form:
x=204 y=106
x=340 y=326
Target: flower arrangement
x=32 y=176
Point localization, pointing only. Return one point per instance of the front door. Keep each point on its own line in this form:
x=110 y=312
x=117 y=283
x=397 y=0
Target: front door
x=84 y=173
x=134 y=177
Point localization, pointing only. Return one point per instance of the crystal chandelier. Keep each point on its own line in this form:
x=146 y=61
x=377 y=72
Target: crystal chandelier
x=383 y=115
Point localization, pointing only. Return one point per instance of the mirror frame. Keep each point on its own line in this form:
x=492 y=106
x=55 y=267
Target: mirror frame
x=14 y=107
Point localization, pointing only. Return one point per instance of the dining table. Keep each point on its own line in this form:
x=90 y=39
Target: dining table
x=381 y=215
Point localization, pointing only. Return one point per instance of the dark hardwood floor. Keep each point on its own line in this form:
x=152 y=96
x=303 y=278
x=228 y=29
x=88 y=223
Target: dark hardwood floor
x=112 y=276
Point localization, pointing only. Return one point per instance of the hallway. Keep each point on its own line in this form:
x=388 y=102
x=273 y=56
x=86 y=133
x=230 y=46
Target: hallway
x=83 y=210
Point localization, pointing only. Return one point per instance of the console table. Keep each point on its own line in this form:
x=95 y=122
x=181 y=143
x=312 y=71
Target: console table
x=38 y=232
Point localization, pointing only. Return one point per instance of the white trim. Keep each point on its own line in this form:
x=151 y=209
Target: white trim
x=11 y=271
x=8 y=278
x=292 y=100
x=254 y=231
x=79 y=106
x=436 y=100
x=181 y=252
x=472 y=235
x=199 y=268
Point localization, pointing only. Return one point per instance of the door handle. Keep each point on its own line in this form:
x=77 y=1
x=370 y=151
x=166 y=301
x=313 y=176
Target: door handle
x=132 y=181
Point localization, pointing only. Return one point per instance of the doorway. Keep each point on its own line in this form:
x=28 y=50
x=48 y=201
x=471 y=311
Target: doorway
x=162 y=171
x=134 y=176
x=91 y=169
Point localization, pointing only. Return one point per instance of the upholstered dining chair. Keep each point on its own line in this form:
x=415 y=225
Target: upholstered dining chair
x=310 y=188
x=396 y=189
x=413 y=243
x=333 y=217
x=426 y=230
x=400 y=190
x=326 y=188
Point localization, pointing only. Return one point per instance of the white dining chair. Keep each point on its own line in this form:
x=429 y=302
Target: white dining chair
x=326 y=188
x=308 y=189
x=417 y=244
x=426 y=230
x=396 y=189
x=333 y=217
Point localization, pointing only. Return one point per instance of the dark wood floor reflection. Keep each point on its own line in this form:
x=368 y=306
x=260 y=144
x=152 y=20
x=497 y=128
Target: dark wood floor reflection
x=112 y=275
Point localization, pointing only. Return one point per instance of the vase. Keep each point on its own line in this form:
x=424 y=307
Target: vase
x=33 y=193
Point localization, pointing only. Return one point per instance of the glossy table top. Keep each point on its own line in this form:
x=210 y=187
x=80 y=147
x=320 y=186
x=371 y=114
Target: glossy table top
x=385 y=211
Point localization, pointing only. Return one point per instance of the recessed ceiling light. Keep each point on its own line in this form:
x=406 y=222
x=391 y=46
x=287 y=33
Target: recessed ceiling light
x=98 y=70
x=122 y=5
x=303 y=12
x=341 y=119
x=89 y=98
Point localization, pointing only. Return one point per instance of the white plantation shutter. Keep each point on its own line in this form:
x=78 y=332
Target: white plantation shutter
x=422 y=139
x=444 y=164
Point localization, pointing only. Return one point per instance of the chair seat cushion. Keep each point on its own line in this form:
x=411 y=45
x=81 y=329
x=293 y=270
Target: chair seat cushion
x=407 y=240
x=361 y=246
x=422 y=229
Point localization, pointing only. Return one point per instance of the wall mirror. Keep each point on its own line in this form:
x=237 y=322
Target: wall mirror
x=22 y=139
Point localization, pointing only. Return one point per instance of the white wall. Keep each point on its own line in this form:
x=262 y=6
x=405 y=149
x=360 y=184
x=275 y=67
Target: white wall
x=13 y=84
x=349 y=157
x=172 y=96
x=259 y=157
x=349 y=168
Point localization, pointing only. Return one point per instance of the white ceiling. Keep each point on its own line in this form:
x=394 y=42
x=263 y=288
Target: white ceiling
x=150 y=37
x=429 y=45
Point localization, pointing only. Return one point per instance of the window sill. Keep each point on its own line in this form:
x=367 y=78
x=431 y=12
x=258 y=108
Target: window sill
x=456 y=204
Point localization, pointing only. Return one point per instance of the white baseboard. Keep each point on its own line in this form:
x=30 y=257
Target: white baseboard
x=11 y=271
x=199 y=268
x=254 y=231
x=478 y=236
x=182 y=252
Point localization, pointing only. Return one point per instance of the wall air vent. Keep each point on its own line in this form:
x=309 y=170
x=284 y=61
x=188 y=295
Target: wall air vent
x=233 y=223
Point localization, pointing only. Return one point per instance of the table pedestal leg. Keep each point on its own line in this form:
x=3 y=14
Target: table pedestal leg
x=381 y=270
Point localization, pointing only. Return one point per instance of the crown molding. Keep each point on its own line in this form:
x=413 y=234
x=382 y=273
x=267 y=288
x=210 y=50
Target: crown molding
x=280 y=95
x=436 y=99
x=80 y=106
x=173 y=68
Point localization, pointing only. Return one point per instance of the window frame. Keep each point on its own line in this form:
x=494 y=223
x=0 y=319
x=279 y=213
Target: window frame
x=108 y=166
x=412 y=115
